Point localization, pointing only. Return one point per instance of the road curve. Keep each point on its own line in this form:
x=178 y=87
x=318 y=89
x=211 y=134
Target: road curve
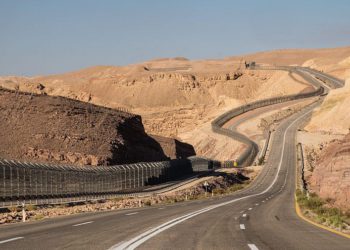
x=261 y=216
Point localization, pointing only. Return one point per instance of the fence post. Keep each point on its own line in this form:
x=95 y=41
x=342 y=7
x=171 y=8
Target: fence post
x=23 y=212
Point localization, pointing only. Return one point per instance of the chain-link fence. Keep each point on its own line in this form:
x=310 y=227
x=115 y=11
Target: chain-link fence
x=46 y=183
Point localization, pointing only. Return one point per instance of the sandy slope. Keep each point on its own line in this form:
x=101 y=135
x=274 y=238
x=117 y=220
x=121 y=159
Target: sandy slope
x=333 y=116
x=332 y=60
x=177 y=97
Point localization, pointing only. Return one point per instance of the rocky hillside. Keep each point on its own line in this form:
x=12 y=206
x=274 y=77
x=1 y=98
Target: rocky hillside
x=331 y=175
x=176 y=97
x=55 y=129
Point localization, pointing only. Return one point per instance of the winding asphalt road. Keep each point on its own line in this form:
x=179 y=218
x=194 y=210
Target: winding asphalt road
x=261 y=216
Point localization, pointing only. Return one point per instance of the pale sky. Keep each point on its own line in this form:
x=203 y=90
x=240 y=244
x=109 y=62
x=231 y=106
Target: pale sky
x=40 y=37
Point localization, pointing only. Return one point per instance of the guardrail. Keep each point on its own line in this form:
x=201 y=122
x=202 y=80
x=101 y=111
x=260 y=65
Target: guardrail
x=262 y=156
x=301 y=169
x=251 y=150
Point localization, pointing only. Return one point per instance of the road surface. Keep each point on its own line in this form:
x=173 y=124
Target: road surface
x=261 y=216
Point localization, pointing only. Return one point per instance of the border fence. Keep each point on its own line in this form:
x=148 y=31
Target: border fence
x=252 y=149
x=37 y=183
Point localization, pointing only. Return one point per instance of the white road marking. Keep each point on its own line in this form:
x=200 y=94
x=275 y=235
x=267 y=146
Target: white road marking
x=132 y=213
x=242 y=226
x=84 y=223
x=253 y=247
x=244 y=215
x=161 y=208
x=263 y=201
x=256 y=204
x=250 y=208
x=241 y=211
x=12 y=239
x=143 y=237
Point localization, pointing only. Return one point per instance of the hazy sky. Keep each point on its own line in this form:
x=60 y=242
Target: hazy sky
x=47 y=36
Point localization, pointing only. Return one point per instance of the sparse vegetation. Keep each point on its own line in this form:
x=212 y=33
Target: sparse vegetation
x=30 y=207
x=38 y=217
x=319 y=210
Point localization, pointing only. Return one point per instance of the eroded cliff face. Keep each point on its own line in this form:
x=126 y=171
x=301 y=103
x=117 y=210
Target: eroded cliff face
x=330 y=178
x=55 y=129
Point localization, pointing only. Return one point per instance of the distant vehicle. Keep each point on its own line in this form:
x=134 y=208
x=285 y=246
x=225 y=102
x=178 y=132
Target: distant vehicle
x=249 y=64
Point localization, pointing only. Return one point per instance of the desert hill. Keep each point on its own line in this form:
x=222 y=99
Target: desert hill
x=333 y=115
x=178 y=98
x=175 y=97
x=55 y=129
x=331 y=60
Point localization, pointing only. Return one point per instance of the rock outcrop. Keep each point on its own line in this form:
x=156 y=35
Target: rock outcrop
x=331 y=176
x=42 y=128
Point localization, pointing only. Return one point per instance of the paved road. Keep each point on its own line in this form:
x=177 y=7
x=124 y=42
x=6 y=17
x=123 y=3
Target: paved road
x=259 y=217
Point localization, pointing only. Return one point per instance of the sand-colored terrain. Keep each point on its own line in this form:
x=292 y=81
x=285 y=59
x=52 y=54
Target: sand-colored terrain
x=326 y=138
x=42 y=128
x=327 y=148
x=333 y=116
x=335 y=61
x=178 y=98
x=175 y=97
x=330 y=175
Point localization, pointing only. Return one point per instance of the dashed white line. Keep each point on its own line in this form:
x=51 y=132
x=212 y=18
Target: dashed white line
x=253 y=247
x=241 y=211
x=84 y=223
x=132 y=213
x=12 y=239
x=263 y=201
x=244 y=215
x=143 y=237
x=250 y=208
x=242 y=226
x=161 y=208
x=256 y=204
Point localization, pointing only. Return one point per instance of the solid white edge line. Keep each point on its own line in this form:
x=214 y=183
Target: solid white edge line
x=84 y=223
x=253 y=247
x=143 y=237
x=12 y=239
x=242 y=226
